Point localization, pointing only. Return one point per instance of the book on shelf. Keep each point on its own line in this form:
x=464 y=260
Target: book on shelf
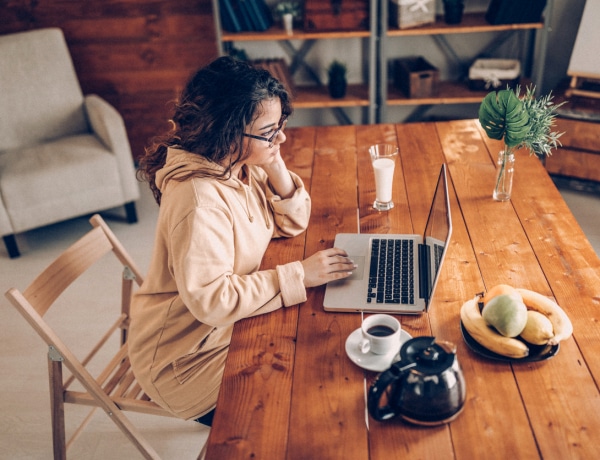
x=262 y=14
x=242 y=15
x=229 y=20
x=245 y=15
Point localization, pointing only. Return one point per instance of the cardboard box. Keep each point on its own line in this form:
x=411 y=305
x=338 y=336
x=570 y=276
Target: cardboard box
x=494 y=74
x=416 y=77
x=322 y=15
x=411 y=13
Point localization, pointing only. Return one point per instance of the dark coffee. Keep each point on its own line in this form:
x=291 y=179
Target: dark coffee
x=380 y=330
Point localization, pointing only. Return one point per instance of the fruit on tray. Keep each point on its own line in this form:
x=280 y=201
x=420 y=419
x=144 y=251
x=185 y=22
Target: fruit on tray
x=561 y=324
x=487 y=337
x=497 y=290
x=544 y=321
x=538 y=330
x=507 y=313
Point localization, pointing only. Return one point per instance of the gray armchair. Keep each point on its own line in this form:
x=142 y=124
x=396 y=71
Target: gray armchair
x=62 y=154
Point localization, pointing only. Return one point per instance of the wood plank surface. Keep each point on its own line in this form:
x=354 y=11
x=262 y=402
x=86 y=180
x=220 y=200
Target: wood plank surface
x=330 y=403
x=413 y=190
x=266 y=362
x=542 y=410
x=506 y=255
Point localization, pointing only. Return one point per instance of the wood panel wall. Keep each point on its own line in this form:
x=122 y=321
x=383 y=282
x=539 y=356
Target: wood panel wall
x=137 y=54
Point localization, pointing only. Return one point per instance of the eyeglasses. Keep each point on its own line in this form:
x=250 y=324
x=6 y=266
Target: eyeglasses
x=271 y=138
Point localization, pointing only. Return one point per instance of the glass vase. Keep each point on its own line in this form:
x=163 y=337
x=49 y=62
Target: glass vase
x=504 y=176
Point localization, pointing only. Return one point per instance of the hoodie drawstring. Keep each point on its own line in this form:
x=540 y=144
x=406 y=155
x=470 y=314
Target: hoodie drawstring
x=263 y=203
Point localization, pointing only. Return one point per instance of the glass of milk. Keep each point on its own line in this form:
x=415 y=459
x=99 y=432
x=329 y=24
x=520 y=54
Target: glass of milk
x=383 y=159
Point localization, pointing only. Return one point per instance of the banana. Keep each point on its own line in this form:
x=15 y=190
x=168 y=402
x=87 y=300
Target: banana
x=563 y=328
x=486 y=336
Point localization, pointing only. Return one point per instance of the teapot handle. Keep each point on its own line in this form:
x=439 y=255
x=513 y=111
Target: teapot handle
x=384 y=380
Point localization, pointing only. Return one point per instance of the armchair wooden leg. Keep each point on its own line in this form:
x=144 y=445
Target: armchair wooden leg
x=131 y=212
x=11 y=246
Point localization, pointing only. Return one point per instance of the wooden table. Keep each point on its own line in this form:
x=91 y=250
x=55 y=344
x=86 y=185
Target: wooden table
x=289 y=390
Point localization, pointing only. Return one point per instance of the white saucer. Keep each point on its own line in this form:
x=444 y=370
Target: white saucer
x=371 y=361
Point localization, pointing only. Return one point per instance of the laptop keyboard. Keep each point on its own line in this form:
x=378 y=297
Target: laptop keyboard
x=391 y=273
x=438 y=251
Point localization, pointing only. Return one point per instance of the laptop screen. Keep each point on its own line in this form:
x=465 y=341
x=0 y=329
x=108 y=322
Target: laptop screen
x=437 y=232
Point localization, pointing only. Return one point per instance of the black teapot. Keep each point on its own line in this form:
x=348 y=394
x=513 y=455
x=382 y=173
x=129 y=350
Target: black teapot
x=426 y=387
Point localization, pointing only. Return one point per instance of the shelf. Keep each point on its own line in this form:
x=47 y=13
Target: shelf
x=376 y=94
x=307 y=97
x=449 y=92
x=471 y=23
x=276 y=33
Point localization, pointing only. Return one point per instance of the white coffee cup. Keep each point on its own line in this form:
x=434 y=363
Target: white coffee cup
x=380 y=334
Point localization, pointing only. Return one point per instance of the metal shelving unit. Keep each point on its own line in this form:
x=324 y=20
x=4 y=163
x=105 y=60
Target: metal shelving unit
x=457 y=92
x=316 y=96
x=376 y=94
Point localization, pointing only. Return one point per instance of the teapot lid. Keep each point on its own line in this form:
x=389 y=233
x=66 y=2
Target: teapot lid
x=429 y=355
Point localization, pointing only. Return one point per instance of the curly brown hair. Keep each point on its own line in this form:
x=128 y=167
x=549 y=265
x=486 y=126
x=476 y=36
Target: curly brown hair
x=211 y=115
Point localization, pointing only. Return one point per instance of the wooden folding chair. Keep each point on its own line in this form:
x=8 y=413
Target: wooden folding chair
x=115 y=389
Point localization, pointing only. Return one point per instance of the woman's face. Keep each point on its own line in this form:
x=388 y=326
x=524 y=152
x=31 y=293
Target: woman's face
x=265 y=126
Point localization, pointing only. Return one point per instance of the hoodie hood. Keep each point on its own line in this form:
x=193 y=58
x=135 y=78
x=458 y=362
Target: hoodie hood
x=181 y=163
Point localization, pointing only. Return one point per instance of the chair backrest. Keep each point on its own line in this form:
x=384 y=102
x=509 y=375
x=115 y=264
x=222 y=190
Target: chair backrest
x=72 y=263
x=114 y=389
x=40 y=95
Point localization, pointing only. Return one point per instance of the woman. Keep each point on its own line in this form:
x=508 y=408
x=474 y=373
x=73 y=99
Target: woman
x=224 y=191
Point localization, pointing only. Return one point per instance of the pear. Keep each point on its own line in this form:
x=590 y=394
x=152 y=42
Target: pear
x=507 y=313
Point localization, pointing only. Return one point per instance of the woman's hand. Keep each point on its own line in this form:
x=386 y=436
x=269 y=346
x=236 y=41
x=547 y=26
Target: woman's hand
x=327 y=265
x=279 y=177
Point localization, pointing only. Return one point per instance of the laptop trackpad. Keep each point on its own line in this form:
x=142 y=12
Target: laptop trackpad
x=358 y=273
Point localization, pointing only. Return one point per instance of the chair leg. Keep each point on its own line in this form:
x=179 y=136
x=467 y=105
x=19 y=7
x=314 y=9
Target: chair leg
x=57 y=407
x=11 y=246
x=131 y=212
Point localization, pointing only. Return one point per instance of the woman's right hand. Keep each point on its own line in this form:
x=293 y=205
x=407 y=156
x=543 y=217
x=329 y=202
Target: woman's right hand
x=327 y=265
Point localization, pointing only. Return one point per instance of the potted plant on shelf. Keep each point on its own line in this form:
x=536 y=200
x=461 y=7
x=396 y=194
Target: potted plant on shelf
x=288 y=11
x=453 y=11
x=337 y=82
x=520 y=122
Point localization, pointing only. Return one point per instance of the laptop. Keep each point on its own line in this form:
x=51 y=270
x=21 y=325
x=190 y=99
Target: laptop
x=407 y=266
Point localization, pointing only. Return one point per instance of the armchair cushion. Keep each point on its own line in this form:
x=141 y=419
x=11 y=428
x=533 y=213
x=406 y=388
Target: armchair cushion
x=57 y=180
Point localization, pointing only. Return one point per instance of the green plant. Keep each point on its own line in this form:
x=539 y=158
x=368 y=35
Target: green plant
x=337 y=83
x=520 y=121
x=337 y=70
x=292 y=7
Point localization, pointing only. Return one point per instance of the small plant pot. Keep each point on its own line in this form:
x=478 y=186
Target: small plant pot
x=337 y=89
x=453 y=12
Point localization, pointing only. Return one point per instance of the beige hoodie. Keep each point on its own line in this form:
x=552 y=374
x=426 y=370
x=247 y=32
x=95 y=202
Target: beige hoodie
x=204 y=276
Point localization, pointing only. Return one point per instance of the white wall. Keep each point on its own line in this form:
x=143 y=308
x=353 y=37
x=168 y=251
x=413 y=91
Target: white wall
x=564 y=24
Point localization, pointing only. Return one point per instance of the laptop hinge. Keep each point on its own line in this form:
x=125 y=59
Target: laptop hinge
x=424 y=254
